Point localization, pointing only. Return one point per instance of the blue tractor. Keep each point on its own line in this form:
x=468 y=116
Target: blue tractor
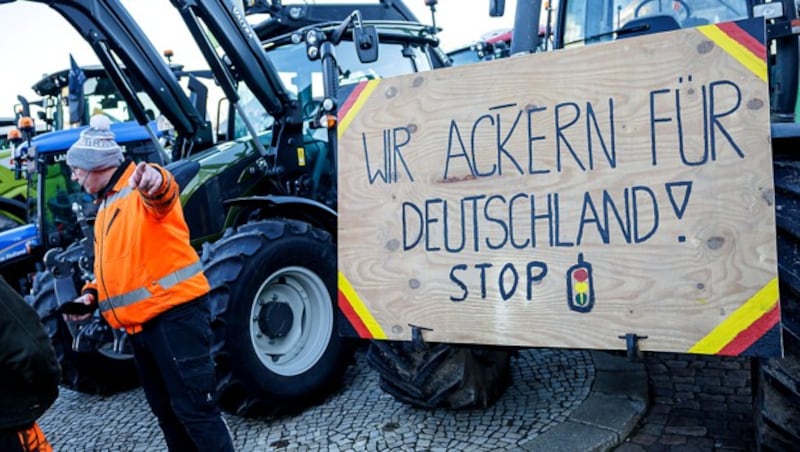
x=39 y=159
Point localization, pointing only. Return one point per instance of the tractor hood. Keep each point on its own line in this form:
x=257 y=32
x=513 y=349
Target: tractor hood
x=61 y=140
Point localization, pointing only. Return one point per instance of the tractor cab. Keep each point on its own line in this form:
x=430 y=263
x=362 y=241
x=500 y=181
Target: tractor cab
x=93 y=92
x=574 y=23
x=591 y=22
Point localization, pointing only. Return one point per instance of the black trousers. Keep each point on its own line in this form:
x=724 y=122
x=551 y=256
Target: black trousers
x=173 y=357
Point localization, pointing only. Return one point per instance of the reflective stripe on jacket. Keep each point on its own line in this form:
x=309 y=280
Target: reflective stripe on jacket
x=144 y=263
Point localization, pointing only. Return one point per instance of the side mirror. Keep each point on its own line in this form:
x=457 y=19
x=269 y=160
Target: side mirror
x=497 y=8
x=366 y=42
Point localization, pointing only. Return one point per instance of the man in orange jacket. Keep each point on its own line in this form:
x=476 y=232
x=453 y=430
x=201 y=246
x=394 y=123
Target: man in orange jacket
x=149 y=281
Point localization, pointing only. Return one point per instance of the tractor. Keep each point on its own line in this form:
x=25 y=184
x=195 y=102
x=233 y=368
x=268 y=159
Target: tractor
x=261 y=203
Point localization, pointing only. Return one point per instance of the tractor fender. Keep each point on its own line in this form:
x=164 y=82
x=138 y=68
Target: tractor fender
x=14 y=207
x=294 y=207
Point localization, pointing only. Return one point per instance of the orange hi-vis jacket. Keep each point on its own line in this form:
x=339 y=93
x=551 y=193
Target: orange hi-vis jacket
x=144 y=263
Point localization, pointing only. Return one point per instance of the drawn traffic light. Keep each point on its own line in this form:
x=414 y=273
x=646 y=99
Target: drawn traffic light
x=580 y=290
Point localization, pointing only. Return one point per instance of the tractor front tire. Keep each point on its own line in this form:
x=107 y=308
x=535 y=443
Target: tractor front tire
x=273 y=292
x=441 y=375
x=776 y=381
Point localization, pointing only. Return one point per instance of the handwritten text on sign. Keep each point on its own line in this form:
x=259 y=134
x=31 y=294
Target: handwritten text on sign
x=548 y=206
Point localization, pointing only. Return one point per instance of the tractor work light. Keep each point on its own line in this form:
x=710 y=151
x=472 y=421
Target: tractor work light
x=14 y=136
x=25 y=124
x=311 y=38
x=330 y=121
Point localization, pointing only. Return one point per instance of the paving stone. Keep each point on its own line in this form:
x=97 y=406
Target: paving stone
x=727 y=422
x=672 y=440
x=686 y=430
x=630 y=447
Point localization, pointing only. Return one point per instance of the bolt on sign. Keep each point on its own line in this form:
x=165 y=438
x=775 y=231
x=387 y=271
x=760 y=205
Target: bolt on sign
x=567 y=199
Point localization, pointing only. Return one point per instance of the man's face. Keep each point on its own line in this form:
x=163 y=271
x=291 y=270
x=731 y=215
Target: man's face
x=88 y=180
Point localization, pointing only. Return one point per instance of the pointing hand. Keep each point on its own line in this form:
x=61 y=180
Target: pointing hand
x=145 y=178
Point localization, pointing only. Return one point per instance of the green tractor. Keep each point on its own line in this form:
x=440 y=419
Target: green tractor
x=261 y=203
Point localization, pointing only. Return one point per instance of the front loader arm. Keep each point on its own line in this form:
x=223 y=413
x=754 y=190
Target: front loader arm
x=233 y=33
x=110 y=30
x=287 y=18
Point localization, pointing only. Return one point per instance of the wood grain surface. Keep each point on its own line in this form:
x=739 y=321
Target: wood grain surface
x=469 y=196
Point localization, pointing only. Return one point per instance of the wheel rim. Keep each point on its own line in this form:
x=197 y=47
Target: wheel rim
x=301 y=301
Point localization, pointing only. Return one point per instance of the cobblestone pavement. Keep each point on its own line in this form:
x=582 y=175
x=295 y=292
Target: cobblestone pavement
x=697 y=403
x=547 y=386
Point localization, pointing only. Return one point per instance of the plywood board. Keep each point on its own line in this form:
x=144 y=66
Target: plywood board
x=566 y=199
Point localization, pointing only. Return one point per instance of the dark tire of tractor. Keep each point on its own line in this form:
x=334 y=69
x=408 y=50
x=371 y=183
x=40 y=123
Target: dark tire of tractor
x=87 y=372
x=776 y=382
x=236 y=266
x=441 y=375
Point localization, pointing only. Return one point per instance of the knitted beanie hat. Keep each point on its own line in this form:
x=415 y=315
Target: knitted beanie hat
x=96 y=148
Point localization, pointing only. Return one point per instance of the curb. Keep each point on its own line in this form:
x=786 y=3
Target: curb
x=617 y=401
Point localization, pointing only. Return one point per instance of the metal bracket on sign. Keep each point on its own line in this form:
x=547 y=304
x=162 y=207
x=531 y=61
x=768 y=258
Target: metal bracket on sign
x=416 y=336
x=632 y=345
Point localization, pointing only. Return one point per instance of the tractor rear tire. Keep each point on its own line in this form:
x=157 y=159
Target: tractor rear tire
x=441 y=375
x=273 y=293
x=87 y=372
x=776 y=381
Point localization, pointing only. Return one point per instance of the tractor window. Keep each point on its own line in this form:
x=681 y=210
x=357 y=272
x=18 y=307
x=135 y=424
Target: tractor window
x=60 y=193
x=464 y=55
x=392 y=61
x=298 y=73
x=255 y=112
x=597 y=21
x=102 y=97
x=99 y=96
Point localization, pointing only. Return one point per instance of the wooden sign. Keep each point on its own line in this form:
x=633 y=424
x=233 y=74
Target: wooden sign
x=567 y=199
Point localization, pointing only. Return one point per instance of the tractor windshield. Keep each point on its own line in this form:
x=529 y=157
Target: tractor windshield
x=299 y=74
x=98 y=95
x=303 y=77
x=598 y=21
